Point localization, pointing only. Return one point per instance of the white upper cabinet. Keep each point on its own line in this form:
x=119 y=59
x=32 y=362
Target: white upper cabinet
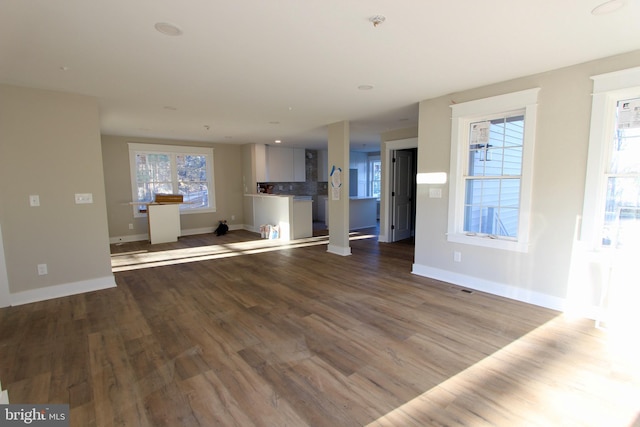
x=285 y=164
x=299 y=165
x=323 y=165
x=279 y=164
x=260 y=154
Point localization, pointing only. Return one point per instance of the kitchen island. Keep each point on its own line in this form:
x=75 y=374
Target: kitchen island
x=363 y=212
x=293 y=215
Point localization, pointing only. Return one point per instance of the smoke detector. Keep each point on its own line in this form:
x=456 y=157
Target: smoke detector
x=377 y=20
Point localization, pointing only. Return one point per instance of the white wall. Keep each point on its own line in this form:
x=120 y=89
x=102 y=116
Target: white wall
x=541 y=275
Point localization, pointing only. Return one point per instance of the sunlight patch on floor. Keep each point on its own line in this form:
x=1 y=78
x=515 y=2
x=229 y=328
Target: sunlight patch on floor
x=512 y=393
x=146 y=259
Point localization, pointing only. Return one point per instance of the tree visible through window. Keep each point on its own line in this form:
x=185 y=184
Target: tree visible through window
x=375 y=174
x=160 y=169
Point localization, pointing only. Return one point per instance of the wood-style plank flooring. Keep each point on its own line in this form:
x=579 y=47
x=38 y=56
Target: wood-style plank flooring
x=234 y=331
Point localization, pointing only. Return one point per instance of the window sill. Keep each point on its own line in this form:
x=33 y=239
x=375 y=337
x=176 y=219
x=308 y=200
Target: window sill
x=489 y=242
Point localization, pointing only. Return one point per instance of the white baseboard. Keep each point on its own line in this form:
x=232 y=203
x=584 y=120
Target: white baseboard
x=128 y=238
x=188 y=232
x=194 y=231
x=64 y=290
x=339 y=250
x=490 y=287
x=252 y=228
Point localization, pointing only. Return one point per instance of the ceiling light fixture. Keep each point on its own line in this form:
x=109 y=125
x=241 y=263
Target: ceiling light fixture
x=168 y=29
x=377 y=20
x=365 y=87
x=607 y=7
x=277 y=141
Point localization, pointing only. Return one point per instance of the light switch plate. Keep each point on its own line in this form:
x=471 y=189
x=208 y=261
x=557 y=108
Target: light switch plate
x=435 y=193
x=83 y=198
x=34 y=200
x=42 y=269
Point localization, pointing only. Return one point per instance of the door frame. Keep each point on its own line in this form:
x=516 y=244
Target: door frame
x=386 y=205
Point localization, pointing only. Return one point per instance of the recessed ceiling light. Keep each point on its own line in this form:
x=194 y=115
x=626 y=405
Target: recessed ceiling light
x=168 y=29
x=64 y=68
x=277 y=141
x=365 y=87
x=607 y=7
x=274 y=122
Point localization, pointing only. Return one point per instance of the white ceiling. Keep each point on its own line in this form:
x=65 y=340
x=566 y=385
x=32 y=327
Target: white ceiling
x=256 y=70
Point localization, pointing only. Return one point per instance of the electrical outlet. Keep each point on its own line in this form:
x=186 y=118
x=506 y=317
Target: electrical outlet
x=457 y=256
x=233 y=217
x=34 y=200
x=42 y=269
x=130 y=226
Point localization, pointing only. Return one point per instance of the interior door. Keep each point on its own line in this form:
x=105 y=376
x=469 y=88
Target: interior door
x=403 y=194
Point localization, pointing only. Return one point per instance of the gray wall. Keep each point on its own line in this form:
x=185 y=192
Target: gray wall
x=50 y=146
x=562 y=137
x=228 y=181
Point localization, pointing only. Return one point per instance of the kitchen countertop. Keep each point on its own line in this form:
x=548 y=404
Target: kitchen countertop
x=296 y=198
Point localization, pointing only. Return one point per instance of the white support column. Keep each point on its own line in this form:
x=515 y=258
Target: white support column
x=338 y=190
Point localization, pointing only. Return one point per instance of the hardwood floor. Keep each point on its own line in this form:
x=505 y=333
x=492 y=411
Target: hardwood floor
x=233 y=331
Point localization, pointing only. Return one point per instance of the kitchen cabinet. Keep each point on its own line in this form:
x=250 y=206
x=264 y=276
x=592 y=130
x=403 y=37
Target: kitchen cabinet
x=260 y=154
x=323 y=165
x=299 y=165
x=164 y=222
x=292 y=215
x=285 y=164
x=363 y=212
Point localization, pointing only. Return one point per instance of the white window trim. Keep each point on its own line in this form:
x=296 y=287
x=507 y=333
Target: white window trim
x=179 y=149
x=462 y=116
x=608 y=89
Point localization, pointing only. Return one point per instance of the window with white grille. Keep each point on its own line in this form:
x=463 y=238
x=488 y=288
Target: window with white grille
x=491 y=170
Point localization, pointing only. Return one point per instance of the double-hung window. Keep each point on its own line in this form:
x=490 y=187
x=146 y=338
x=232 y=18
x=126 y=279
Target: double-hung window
x=375 y=173
x=491 y=167
x=171 y=169
x=611 y=213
